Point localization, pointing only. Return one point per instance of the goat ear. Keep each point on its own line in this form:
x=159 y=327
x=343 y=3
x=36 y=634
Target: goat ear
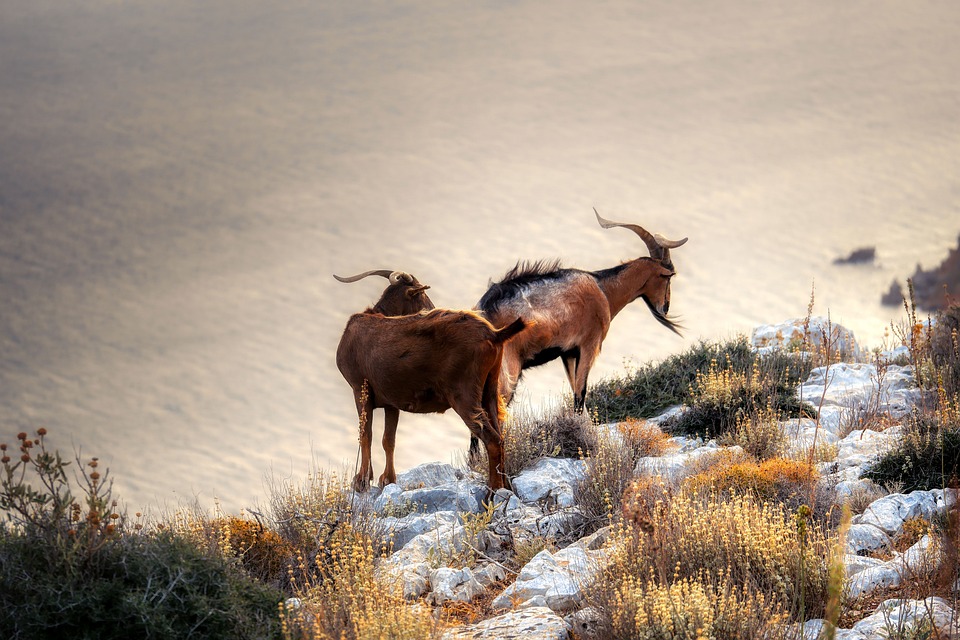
x=412 y=291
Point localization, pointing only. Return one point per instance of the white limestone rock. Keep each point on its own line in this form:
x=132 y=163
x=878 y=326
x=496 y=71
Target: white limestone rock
x=803 y=433
x=531 y=623
x=585 y=624
x=813 y=630
x=673 y=466
x=863 y=447
x=557 y=577
x=429 y=474
x=863 y=538
x=489 y=574
x=889 y=512
x=921 y=559
x=788 y=335
x=402 y=530
x=857 y=385
x=453 y=584
x=883 y=519
x=893 y=617
x=550 y=480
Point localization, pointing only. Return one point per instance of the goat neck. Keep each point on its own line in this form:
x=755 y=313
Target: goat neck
x=623 y=285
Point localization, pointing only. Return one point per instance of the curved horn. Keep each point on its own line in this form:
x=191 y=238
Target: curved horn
x=658 y=246
x=669 y=244
x=386 y=273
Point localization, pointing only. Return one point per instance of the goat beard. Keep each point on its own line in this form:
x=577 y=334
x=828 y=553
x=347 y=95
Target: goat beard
x=662 y=319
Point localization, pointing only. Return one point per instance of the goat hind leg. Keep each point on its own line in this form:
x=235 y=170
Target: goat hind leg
x=480 y=427
x=361 y=481
x=583 y=363
x=391 y=418
x=507 y=380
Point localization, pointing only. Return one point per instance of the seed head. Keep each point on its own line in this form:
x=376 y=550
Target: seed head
x=41 y=432
x=22 y=435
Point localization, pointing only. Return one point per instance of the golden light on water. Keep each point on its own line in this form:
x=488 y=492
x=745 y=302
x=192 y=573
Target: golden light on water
x=180 y=180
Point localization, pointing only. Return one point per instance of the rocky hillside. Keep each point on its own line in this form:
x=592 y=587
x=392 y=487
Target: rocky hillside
x=442 y=557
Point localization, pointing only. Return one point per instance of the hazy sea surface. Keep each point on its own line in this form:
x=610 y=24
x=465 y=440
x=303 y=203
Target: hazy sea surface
x=179 y=180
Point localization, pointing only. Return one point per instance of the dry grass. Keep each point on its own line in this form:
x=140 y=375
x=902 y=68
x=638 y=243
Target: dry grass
x=701 y=607
x=345 y=597
x=759 y=434
x=740 y=541
x=779 y=480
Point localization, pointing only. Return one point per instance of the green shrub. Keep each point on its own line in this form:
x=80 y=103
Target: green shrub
x=770 y=383
x=149 y=586
x=72 y=567
x=945 y=349
x=927 y=457
x=654 y=387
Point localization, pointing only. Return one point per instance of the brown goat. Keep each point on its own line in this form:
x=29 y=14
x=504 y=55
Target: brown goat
x=425 y=363
x=403 y=296
x=571 y=309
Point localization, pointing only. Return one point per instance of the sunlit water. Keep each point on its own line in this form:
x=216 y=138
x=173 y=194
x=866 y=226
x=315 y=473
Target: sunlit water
x=179 y=180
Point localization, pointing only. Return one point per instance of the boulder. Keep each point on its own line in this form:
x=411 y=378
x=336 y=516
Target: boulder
x=920 y=560
x=864 y=538
x=889 y=512
x=453 y=584
x=894 y=617
x=430 y=474
x=863 y=447
x=532 y=623
x=557 y=578
x=788 y=335
x=801 y=434
x=550 y=480
x=461 y=495
x=858 y=385
x=402 y=530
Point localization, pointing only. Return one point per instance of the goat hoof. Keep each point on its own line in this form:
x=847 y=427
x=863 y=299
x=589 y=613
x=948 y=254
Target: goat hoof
x=385 y=480
x=360 y=484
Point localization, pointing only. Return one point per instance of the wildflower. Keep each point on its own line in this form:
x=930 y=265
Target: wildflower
x=5 y=459
x=3 y=447
x=94 y=476
x=22 y=435
x=25 y=457
x=41 y=432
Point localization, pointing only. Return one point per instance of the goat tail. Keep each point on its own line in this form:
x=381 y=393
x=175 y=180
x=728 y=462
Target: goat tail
x=512 y=329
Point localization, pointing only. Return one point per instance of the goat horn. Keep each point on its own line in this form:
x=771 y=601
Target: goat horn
x=658 y=246
x=669 y=244
x=386 y=273
x=397 y=276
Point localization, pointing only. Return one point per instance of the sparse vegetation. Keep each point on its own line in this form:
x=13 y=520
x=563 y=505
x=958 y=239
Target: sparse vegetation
x=722 y=384
x=742 y=544
x=75 y=567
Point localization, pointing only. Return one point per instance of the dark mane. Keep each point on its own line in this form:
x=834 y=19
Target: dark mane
x=524 y=271
x=521 y=274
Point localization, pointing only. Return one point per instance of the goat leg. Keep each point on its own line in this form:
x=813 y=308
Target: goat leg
x=361 y=482
x=391 y=418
